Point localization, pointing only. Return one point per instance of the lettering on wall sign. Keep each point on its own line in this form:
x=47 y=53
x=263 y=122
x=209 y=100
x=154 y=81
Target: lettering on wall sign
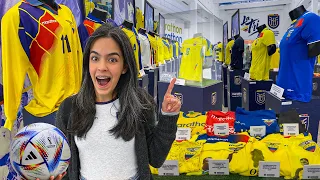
x=250 y=25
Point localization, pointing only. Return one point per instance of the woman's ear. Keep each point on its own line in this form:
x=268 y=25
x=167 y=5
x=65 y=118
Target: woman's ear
x=125 y=69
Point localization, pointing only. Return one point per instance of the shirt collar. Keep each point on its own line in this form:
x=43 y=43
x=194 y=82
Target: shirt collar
x=42 y=4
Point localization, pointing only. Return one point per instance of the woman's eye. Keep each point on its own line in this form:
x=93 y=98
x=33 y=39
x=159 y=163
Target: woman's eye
x=113 y=60
x=94 y=58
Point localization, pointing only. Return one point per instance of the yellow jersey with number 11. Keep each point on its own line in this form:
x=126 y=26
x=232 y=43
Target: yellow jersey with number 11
x=45 y=45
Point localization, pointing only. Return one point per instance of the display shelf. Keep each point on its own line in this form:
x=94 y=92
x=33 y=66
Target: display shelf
x=234 y=78
x=311 y=109
x=195 y=96
x=254 y=94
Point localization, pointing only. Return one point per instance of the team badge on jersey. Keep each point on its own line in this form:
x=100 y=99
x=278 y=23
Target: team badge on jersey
x=308 y=145
x=244 y=95
x=260 y=97
x=191 y=152
x=304 y=118
x=213 y=98
x=268 y=122
x=273 y=21
x=273 y=147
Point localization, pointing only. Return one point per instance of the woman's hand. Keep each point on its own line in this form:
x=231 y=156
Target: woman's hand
x=170 y=103
x=58 y=177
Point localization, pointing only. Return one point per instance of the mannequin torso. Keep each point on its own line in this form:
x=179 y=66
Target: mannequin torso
x=271 y=48
x=51 y=3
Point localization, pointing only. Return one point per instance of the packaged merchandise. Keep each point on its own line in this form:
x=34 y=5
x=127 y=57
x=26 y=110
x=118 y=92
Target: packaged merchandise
x=245 y=119
x=214 y=117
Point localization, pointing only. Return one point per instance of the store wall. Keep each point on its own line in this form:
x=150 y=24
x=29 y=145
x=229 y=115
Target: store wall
x=250 y=19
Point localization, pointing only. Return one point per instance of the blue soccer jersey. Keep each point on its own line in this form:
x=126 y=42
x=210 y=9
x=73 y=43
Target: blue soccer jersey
x=245 y=119
x=296 y=67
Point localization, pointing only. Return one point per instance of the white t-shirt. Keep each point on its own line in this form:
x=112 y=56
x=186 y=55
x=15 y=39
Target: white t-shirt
x=102 y=156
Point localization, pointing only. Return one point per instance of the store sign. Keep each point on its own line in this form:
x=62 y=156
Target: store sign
x=174 y=30
x=250 y=22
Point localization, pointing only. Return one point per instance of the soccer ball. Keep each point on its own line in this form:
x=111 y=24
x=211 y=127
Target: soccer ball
x=39 y=150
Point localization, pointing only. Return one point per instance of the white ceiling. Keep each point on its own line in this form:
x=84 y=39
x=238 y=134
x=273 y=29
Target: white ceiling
x=175 y=6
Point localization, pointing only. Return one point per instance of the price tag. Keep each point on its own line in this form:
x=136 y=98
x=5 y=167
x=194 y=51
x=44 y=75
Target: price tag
x=259 y=131
x=169 y=168
x=183 y=134
x=311 y=172
x=247 y=76
x=269 y=169
x=277 y=90
x=290 y=129
x=221 y=129
x=218 y=167
x=142 y=73
x=180 y=81
x=275 y=69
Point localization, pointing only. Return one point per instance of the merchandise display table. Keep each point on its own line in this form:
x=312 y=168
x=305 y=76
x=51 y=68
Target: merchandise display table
x=254 y=94
x=310 y=109
x=234 y=78
x=225 y=85
x=144 y=82
x=194 y=96
x=153 y=75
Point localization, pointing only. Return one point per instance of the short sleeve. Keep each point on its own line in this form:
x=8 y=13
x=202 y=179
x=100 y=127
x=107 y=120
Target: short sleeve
x=268 y=38
x=311 y=26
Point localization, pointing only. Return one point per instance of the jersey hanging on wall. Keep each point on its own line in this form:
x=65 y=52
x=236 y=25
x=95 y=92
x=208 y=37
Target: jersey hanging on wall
x=46 y=46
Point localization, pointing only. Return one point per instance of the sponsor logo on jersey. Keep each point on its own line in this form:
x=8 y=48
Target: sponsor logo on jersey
x=191 y=125
x=213 y=98
x=304 y=118
x=289 y=34
x=244 y=95
x=268 y=122
x=273 y=21
x=260 y=97
x=49 y=21
x=308 y=145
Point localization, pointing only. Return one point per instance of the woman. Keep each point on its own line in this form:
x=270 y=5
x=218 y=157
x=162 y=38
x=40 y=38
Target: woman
x=110 y=123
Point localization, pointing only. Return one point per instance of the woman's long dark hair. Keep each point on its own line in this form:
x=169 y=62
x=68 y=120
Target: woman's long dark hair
x=135 y=104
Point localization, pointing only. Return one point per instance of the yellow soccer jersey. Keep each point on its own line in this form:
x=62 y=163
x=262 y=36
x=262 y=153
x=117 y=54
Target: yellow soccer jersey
x=216 y=151
x=228 y=52
x=154 y=49
x=220 y=52
x=171 y=50
x=177 y=49
x=194 y=120
x=134 y=44
x=319 y=59
x=260 y=64
x=302 y=151
x=139 y=20
x=161 y=50
x=275 y=59
x=248 y=159
x=187 y=154
x=166 y=49
x=274 y=148
x=45 y=45
x=193 y=54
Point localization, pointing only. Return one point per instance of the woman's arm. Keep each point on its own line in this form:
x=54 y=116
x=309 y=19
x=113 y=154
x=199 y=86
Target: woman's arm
x=160 y=137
